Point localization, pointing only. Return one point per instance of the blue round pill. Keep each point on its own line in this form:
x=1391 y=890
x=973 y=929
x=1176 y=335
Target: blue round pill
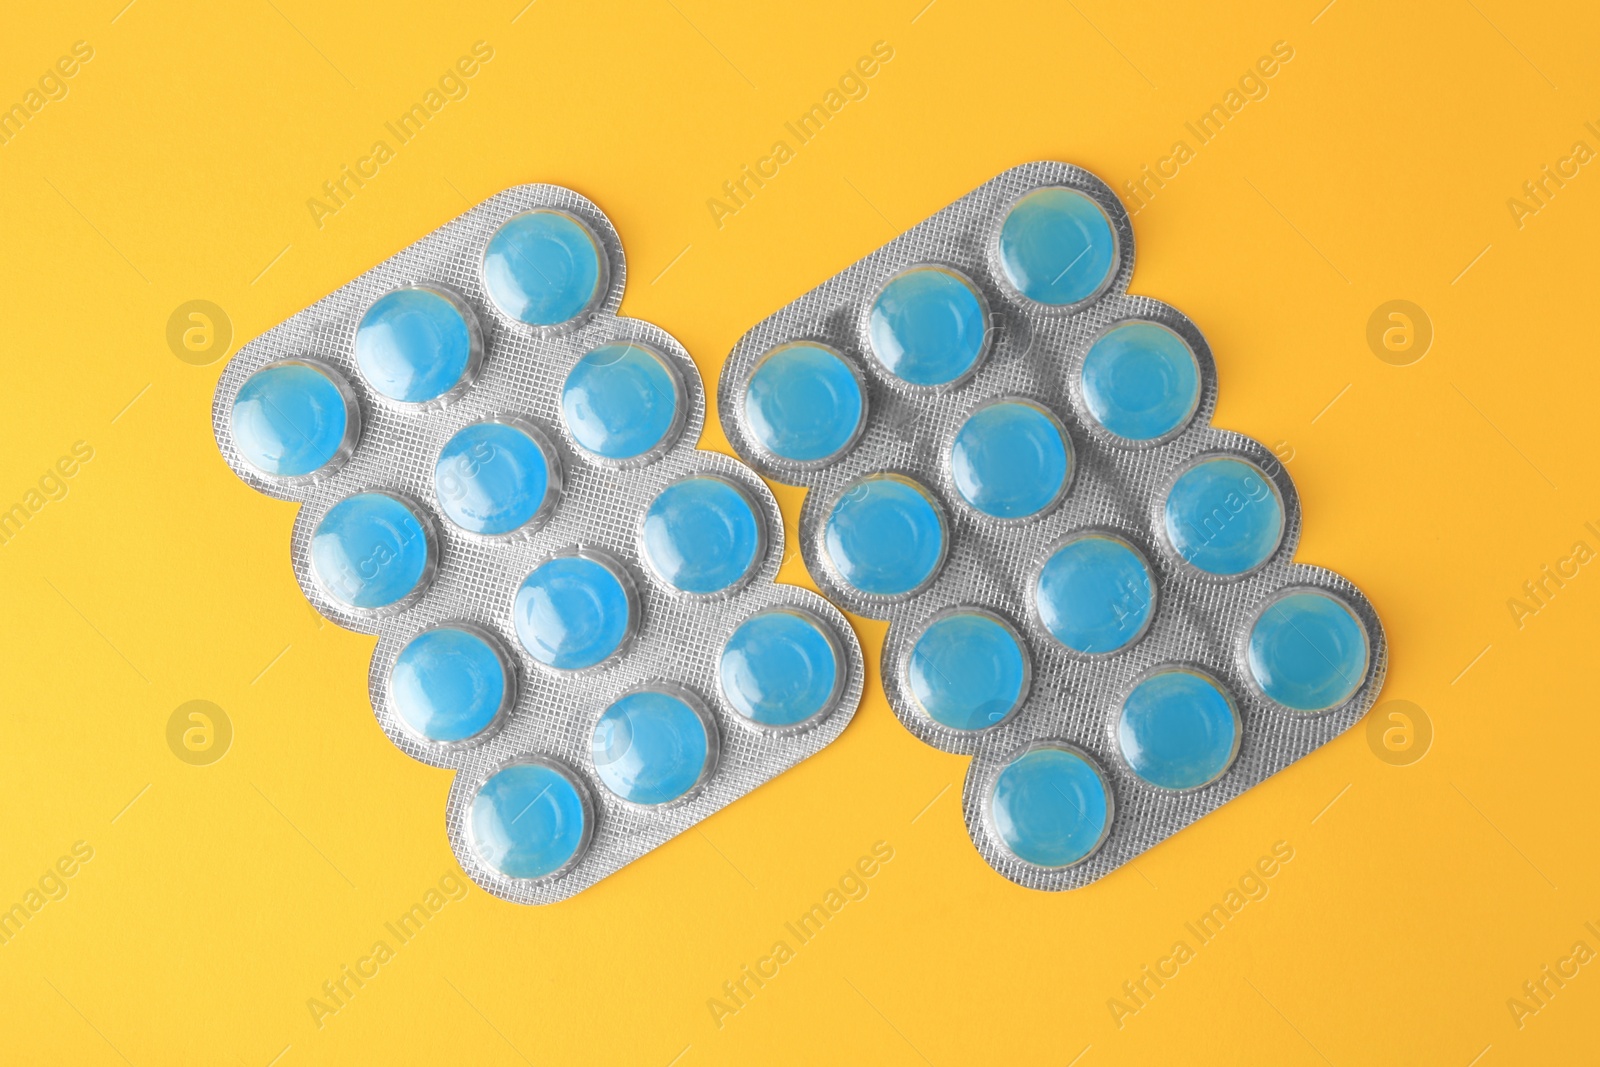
x=1140 y=381
x=372 y=551
x=574 y=612
x=1057 y=247
x=449 y=684
x=885 y=535
x=544 y=268
x=1050 y=807
x=1223 y=516
x=530 y=820
x=652 y=747
x=1095 y=594
x=1011 y=459
x=1308 y=651
x=928 y=326
x=495 y=477
x=622 y=401
x=293 y=419
x=968 y=670
x=781 y=668
x=1178 y=729
x=417 y=345
x=804 y=403
x=701 y=535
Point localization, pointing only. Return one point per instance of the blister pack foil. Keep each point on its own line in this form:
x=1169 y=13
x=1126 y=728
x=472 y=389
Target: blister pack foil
x=1090 y=588
x=575 y=608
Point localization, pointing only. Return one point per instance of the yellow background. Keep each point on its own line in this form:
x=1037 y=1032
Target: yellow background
x=1378 y=167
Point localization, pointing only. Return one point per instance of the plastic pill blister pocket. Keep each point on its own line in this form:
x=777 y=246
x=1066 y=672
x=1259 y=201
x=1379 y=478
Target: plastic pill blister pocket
x=575 y=607
x=1090 y=588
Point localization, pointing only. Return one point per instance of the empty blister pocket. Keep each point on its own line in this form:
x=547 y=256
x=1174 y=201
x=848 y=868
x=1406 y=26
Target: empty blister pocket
x=575 y=607
x=1090 y=588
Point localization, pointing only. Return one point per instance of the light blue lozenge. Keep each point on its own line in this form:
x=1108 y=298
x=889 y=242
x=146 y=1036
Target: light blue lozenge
x=414 y=345
x=701 y=535
x=529 y=820
x=650 y=747
x=1178 y=730
x=1057 y=247
x=1140 y=381
x=448 y=684
x=885 y=535
x=1308 y=651
x=1010 y=459
x=493 y=478
x=968 y=671
x=572 y=612
x=621 y=401
x=290 y=420
x=928 y=326
x=1095 y=594
x=804 y=403
x=1050 y=807
x=370 y=551
x=780 y=668
x=1223 y=516
x=543 y=268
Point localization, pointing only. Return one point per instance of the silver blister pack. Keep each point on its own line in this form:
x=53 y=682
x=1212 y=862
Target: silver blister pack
x=576 y=608
x=1090 y=588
